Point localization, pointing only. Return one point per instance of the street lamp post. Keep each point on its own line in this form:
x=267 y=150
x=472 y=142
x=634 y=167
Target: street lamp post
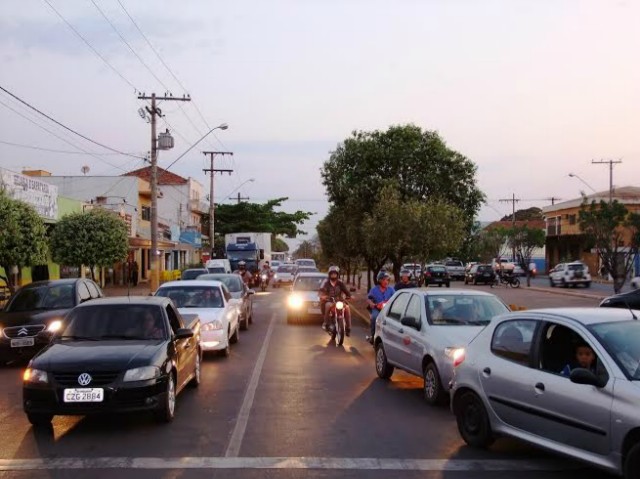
x=250 y=180
x=573 y=175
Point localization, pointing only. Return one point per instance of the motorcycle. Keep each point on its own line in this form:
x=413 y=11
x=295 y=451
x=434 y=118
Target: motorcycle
x=506 y=279
x=264 y=282
x=337 y=326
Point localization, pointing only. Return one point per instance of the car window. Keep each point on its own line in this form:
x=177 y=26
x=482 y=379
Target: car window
x=289 y=268
x=457 y=309
x=193 y=273
x=563 y=349
x=226 y=293
x=622 y=341
x=94 y=290
x=437 y=269
x=414 y=309
x=484 y=269
x=56 y=296
x=398 y=306
x=232 y=281
x=308 y=283
x=174 y=321
x=193 y=296
x=115 y=322
x=83 y=291
x=512 y=340
x=575 y=267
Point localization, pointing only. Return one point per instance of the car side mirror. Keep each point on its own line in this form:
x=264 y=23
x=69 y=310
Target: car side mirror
x=251 y=291
x=183 y=333
x=584 y=376
x=411 y=322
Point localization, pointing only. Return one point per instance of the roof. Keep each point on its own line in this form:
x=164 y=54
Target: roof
x=51 y=282
x=116 y=300
x=165 y=177
x=624 y=194
x=585 y=316
x=310 y=274
x=191 y=283
x=451 y=292
x=533 y=224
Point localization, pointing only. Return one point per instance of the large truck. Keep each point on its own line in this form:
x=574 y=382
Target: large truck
x=252 y=248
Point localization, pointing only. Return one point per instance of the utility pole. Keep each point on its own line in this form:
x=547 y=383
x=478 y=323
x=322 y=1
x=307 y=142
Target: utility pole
x=240 y=198
x=212 y=171
x=610 y=163
x=154 y=112
x=513 y=200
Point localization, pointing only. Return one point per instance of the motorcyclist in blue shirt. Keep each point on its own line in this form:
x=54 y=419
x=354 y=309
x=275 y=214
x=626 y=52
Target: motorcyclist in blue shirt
x=376 y=299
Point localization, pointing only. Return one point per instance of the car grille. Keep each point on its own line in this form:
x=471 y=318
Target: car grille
x=23 y=331
x=101 y=378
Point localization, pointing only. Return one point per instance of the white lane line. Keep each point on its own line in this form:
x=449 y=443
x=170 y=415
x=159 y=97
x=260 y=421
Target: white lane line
x=333 y=463
x=243 y=417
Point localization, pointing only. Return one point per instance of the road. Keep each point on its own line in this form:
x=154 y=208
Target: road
x=285 y=404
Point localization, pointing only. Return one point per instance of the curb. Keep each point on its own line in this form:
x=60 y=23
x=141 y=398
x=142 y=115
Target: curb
x=563 y=292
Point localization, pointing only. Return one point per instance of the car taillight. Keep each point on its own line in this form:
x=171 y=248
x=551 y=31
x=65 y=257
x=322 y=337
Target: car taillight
x=427 y=274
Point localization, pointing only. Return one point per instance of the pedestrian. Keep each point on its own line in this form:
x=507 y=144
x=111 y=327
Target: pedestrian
x=134 y=273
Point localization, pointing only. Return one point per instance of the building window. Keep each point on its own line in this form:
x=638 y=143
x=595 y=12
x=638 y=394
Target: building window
x=146 y=213
x=572 y=219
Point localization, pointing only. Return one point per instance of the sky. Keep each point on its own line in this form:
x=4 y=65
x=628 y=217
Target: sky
x=530 y=91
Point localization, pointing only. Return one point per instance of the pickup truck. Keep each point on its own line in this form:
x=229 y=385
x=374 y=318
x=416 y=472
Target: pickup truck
x=455 y=269
x=120 y=354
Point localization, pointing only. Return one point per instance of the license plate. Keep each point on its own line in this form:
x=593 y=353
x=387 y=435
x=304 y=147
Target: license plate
x=84 y=395
x=486 y=275
x=438 y=280
x=22 y=342
x=314 y=311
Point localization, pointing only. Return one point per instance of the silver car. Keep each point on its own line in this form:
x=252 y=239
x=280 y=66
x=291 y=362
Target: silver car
x=567 y=380
x=423 y=332
x=303 y=301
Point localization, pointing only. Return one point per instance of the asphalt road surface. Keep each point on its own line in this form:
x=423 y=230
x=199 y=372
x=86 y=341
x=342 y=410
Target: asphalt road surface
x=286 y=404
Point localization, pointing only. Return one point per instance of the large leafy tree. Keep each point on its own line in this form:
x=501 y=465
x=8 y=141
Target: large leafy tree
x=615 y=233
x=279 y=245
x=94 y=238
x=493 y=243
x=23 y=240
x=524 y=241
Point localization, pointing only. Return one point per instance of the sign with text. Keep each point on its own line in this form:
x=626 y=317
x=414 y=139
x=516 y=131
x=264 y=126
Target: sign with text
x=33 y=191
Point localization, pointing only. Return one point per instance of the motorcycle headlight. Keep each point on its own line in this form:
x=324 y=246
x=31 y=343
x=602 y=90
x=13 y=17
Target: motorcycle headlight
x=339 y=305
x=295 y=301
x=264 y=276
x=54 y=326
x=214 y=325
x=275 y=276
x=35 y=376
x=141 y=374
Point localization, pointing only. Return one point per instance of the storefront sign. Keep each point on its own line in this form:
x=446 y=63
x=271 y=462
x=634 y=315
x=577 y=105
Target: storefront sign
x=33 y=191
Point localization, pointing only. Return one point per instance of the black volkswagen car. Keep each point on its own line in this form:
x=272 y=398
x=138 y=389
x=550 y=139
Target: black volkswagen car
x=628 y=300
x=118 y=354
x=479 y=273
x=37 y=307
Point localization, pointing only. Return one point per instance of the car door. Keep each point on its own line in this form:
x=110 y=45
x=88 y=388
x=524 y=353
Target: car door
x=391 y=329
x=578 y=415
x=412 y=341
x=505 y=372
x=557 y=273
x=185 y=348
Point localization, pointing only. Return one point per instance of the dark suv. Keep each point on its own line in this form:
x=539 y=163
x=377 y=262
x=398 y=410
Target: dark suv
x=38 y=306
x=436 y=274
x=479 y=273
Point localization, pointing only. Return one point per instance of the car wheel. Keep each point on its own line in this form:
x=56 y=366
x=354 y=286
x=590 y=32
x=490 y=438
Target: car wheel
x=631 y=467
x=465 y=280
x=432 y=388
x=236 y=335
x=473 y=421
x=167 y=409
x=226 y=352
x=244 y=324
x=195 y=382
x=40 y=420
x=475 y=282
x=587 y=284
x=448 y=285
x=440 y=285
x=383 y=368
x=564 y=283
x=251 y=315
x=551 y=283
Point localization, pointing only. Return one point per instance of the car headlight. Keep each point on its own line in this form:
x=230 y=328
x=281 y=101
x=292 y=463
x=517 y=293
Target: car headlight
x=295 y=301
x=454 y=353
x=275 y=276
x=54 y=326
x=264 y=276
x=339 y=305
x=35 y=376
x=214 y=325
x=141 y=374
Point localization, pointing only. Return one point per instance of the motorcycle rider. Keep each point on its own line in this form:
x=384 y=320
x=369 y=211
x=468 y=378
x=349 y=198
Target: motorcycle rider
x=244 y=274
x=405 y=281
x=266 y=270
x=332 y=287
x=377 y=297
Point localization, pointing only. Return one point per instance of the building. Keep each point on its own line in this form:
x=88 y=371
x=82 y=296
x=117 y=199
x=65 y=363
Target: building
x=565 y=241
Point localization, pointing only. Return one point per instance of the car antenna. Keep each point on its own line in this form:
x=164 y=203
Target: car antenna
x=633 y=315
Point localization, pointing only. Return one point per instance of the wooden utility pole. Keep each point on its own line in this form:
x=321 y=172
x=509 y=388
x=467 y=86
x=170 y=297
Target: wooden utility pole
x=212 y=171
x=241 y=198
x=513 y=200
x=610 y=163
x=154 y=112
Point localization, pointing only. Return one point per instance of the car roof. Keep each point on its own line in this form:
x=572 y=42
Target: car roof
x=585 y=316
x=311 y=274
x=217 y=275
x=191 y=282
x=195 y=269
x=52 y=282
x=133 y=300
x=449 y=292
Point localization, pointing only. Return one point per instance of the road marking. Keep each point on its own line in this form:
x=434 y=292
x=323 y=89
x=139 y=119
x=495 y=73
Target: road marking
x=243 y=417
x=333 y=463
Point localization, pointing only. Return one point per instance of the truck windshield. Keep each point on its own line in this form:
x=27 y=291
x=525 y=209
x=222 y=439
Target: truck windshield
x=112 y=322
x=238 y=255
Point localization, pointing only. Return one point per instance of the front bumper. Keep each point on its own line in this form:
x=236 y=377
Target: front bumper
x=123 y=397
x=215 y=340
x=8 y=353
x=307 y=308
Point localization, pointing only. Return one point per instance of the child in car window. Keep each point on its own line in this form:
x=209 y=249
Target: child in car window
x=585 y=358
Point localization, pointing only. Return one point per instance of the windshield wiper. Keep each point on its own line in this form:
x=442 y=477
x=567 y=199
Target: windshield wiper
x=78 y=338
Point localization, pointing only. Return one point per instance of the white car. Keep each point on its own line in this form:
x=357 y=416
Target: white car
x=284 y=275
x=211 y=300
x=570 y=274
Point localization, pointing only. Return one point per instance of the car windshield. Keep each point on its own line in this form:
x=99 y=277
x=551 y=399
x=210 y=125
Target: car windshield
x=286 y=269
x=622 y=341
x=215 y=270
x=484 y=269
x=576 y=267
x=55 y=296
x=232 y=281
x=452 y=309
x=114 y=322
x=306 y=262
x=454 y=263
x=309 y=283
x=307 y=270
x=193 y=273
x=193 y=296
x=437 y=269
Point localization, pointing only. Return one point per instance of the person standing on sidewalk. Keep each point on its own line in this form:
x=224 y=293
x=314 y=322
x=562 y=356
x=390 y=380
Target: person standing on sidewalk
x=376 y=299
x=134 y=273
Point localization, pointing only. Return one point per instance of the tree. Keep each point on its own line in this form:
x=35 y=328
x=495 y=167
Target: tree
x=533 y=213
x=524 y=241
x=493 y=243
x=615 y=233
x=23 y=240
x=94 y=238
x=278 y=245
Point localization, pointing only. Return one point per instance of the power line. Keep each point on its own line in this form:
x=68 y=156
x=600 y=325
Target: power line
x=91 y=47
x=66 y=127
x=58 y=136
x=52 y=150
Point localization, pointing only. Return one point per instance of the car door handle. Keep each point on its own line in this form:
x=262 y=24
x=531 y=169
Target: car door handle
x=401 y=331
x=487 y=371
x=384 y=322
x=540 y=386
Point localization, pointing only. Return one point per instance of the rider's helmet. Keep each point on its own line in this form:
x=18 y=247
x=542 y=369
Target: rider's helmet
x=334 y=271
x=405 y=272
x=382 y=275
x=242 y=265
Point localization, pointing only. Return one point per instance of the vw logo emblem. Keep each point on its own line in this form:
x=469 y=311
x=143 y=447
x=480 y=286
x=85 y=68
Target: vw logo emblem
x=23 y=332
x=84 y=379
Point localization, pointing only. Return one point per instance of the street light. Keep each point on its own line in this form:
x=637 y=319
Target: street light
x=250 y=180
x=573 y=175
